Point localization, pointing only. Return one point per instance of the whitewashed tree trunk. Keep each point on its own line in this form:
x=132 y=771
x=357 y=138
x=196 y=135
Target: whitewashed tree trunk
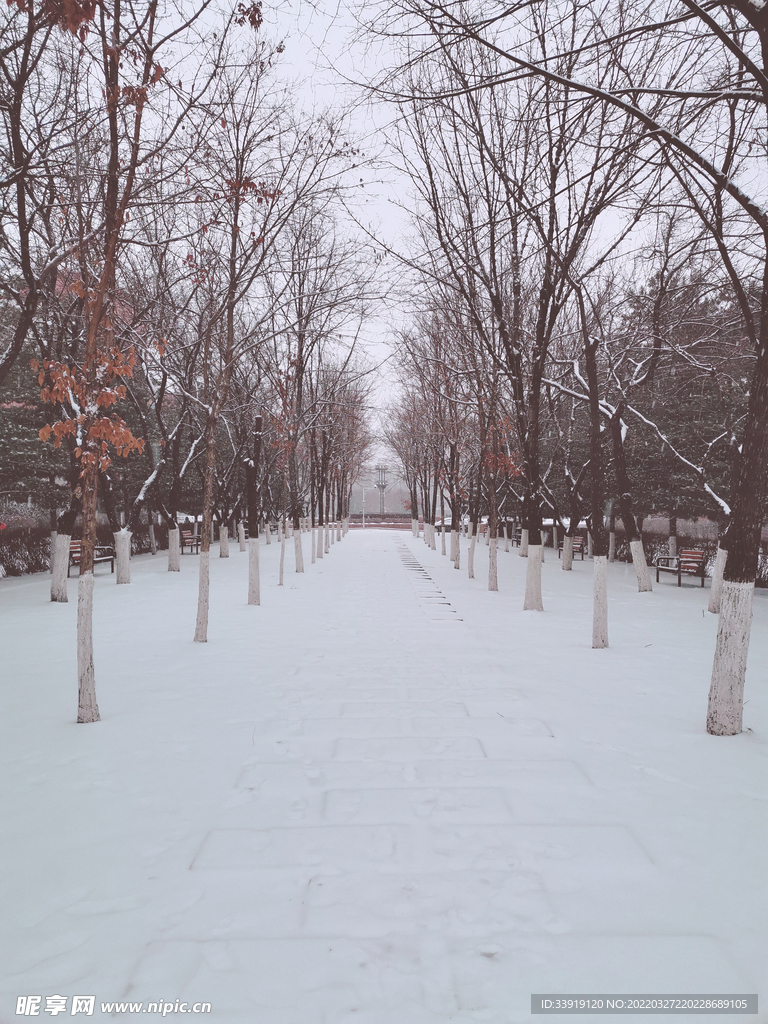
x=523 y=552
x=254 y=581
x=279 y=532
x=589 y=545
x=268 y=531
x=433 y=535
x=152 y=541
x=672 y=545
x=123 y=555
x=174 y=550
x=612 y=546
x=717 y=580
x=332 y=533
x=471 y=555
x=415 y=527
x=644 y=583
x=87 y=707
x=313 y=543
x=442 y=539
x=454 y=543
x=726 y=692
x=327 y=541
x=52 y=551
x=493 y=564
x=457 y=559
x=533 y=580
x=600 y=602
x=488 y=535
x=282 y=561
x=60 y=563
x=567 y=553
x=203 y=592
x=338 y=530
x=223 y=541
x=241 y=535
x=320 y=545
x=506 y=536
x=299 y=553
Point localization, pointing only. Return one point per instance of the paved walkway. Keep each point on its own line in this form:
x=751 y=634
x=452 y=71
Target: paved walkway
x=388 y=796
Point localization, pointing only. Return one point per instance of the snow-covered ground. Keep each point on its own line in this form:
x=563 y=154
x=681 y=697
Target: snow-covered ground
x=386 y=796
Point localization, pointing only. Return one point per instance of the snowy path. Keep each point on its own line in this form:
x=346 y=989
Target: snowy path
x=385 y=796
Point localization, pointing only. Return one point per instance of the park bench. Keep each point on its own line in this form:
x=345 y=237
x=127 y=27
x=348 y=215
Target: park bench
x=101 y=553
x=687 y=563
x=188 y=539
x=578 y=547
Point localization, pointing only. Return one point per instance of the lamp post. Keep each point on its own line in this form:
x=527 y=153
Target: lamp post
x=381 y=485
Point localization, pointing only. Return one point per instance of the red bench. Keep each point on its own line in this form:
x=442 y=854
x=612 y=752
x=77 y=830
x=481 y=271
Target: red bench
x=687 y=563
x=188 y=539
x=100 y=554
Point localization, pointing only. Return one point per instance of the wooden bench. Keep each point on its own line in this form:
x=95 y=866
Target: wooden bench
x=688 y=563
x=188 y=539
x=101 y=554
x=578 y=547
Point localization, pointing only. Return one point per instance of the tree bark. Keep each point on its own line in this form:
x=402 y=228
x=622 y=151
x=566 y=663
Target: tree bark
x=87 y=707
x=599 y=602
x=254 y=583
x=717 y=580
x=174 y=549
x=568 y=552
x=123 y=555
x=60 y=565
x=533 y=601
x=726 y=693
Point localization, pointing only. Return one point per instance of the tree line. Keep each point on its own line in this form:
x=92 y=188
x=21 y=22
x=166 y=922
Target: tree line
x=181 y=297
x=590 y=262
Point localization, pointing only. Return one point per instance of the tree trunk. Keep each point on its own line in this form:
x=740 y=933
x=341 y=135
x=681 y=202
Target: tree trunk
x=726 y=693
x=493 y=564
x=717 y=580
x=299 y=553
x=223 y=541
x=644 y=582
x=455 y=550
x=123 y=555
x=612 y=546
x=60 y=565
x=203 y=593
x=533 y=601
x=87 y=707
x=567 y=552
x=241 y=535
x=523 y=552
x=282 y=560
x=174 y=549
x=152 y=541
x=206 y=530
x=254 y=582
x=471 y=555
x=600 y=602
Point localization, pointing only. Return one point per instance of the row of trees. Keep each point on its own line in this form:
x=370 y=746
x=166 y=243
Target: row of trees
x=173 y=266
x=588 y=183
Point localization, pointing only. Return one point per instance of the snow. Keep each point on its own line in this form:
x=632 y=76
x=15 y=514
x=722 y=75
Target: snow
x=385 y=795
